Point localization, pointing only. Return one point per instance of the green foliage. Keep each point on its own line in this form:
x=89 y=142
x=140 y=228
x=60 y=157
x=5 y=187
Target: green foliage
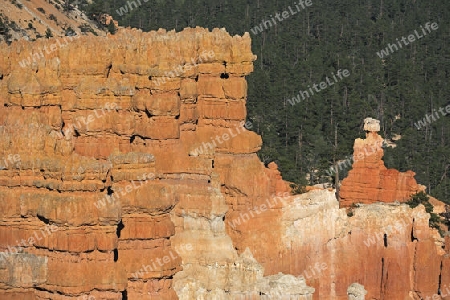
x=423 y=198
x=86 y=28
x=48 y=33
x=70 y=32
x=19 y=5
x=420 y=198
x=350 y=210
x=112 y=28
x=52 y=17
x=297 y=189
x=314 y=43
x=40 y=9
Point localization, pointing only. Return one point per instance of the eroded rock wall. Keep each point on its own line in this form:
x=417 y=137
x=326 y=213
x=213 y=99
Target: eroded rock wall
x=112 y=154
x=387 y=248
x=127 y=172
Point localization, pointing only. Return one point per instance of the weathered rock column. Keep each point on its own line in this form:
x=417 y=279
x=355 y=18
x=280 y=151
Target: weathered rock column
x=369 y=180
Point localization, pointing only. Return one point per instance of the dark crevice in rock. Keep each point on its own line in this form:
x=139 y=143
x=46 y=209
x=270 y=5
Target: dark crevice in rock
x=385 y=240
x=382 y=278
x=149 y=115
x=134 y=136
x=116 y=255
x=43 y=219
x=77 y=134
x=413 y=238
x=125 y=295
x=62 y=126
x=440 y=280
x=108 y=71
x=224 y=76
x=120 y=226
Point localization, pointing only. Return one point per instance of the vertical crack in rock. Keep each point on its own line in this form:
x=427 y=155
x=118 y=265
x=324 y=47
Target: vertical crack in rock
x=440 y=279
x=413 y=238
x=108 y=71
x=383 y=280
x=119 y=229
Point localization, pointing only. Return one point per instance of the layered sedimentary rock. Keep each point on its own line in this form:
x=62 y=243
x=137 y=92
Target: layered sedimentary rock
x=112 y=154
x=127 y=172
x=387 y=248
x=369 y=180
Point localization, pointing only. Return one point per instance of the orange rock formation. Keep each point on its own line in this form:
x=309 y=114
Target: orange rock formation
x=126 y=173
x=369 y=180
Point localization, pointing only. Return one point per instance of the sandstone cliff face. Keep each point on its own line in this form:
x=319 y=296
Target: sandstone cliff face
x=387 y=248
x=113 y=153
x=126 y=172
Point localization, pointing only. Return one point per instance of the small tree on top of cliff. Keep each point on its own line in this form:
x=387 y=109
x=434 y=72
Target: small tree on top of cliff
x=423 y=198
x=48 y=33
x=446 y=216
x=112 y=28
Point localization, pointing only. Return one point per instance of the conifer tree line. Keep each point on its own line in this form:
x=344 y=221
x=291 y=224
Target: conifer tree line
x=306 y=139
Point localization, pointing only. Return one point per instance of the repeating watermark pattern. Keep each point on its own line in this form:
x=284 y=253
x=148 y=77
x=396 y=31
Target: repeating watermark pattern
x=323 y=85
x=124 y=9
x=145 y=269
x=391 y=48
x=221 y=138
x=38 y=55
x=272 y=21
x=426 y=121
x=442 y=293
x=270 y=203
x=69 y=130
x=123 y=192
x=180 y=69
x=10 y=161
x=49 y=229
x=314 y=272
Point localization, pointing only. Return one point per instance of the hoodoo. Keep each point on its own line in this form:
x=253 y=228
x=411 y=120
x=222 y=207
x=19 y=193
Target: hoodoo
x=369 y=180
